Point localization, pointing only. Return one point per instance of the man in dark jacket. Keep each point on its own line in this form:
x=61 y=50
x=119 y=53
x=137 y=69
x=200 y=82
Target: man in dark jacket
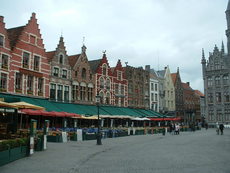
x=221 y=127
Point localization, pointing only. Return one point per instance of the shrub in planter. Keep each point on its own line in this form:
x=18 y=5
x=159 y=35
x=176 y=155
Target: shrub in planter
x=4 y=146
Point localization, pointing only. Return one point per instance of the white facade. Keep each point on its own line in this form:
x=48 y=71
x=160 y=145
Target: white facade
x=154 y=94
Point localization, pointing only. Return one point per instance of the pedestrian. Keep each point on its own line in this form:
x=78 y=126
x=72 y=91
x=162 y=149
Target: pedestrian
x=221 y=127
x=206 y=126
x=217 y=128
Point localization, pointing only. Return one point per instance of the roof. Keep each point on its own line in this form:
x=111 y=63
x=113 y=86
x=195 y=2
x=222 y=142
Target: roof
x=73 y=59
x=94 y=64
x=13 y=35
x=50 y=55
x=186 y=86
x=161 y=73
x=174 y=75
x=199 y=93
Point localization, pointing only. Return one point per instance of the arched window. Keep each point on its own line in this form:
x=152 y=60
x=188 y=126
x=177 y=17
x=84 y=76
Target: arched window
x=107 y=98
x=108 y=84
x=83 y=73
x=102 y=83
x=209 y=81
x=217 y=80
x=101 y=94
x=225 y=79
x=104 y=69
x=61 y=59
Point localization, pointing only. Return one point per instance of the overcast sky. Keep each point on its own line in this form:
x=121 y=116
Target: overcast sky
x=140 y=32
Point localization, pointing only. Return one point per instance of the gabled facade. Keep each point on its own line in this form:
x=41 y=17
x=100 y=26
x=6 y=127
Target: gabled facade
x=103 y=76
x=60 y=73
x=83 y=80
x=168 y=91
x=216 y=74
x=179 y=101
x=138 y=87
x=120 y=85
x=5 y=57
x=199 y=116
x=29 y=74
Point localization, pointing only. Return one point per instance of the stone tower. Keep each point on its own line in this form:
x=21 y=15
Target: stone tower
x=228 y=26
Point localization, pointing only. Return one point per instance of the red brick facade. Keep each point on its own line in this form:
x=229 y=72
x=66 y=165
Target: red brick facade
x=29 y=67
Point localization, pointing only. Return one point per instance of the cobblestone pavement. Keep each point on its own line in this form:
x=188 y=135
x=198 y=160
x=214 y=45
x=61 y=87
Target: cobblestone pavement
x=190 y=152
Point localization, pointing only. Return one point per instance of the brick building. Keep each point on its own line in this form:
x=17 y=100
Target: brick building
x=138 y=87
x=179 y=99
x=29 y=66
x=83 y=83
x=120 y=84
x=60 y=74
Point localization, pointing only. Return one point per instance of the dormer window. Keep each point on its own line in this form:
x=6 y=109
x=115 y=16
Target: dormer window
x=60 y=59
x=1 y=40
x=56 y=71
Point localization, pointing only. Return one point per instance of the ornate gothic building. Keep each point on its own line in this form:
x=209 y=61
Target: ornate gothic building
x=216 y=71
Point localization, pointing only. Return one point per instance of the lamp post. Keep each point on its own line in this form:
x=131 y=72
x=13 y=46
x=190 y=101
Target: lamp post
x=98 y=99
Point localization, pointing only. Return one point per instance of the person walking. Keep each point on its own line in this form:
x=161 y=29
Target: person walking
x=221 y=127
x=217 y=128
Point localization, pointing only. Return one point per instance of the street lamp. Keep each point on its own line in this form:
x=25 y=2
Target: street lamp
x=98 y=100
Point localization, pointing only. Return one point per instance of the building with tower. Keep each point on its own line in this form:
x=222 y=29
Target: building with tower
x=216 y=71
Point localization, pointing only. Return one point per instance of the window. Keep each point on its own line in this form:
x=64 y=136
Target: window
x=53 y=91
x=75 y=74
x=226 y=97
x=59 y=93
x=1 y=41
x=40 y=86
x=66 y=93
x=116 y=89
x=218 y=97
x=152 y=97
x=130 y=88
x=209 y=81
x=83 y=73
x=107 y=99
x=56 y=71
x=217 y=66
x=119 y=75
x=122 y=90
x=30 y=84
x=156 y=98
x=18 y=86
x=36 y=63
x=60 y=59
x=217 y=80
x=32 y=39
x=156 y=88
x=82 y=93
x=104 y=69
x=108 y=84
x=64 y=74
x=3 y=82
x=5 y=61
x=102 y=83
x=25 y=63
x=152 y=87
x=90 y=94
x=75 y=92
x=225 y=79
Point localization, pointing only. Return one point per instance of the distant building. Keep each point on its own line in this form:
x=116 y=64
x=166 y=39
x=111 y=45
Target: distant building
x=216 y=71
x=179 y=98
x=138 y=87
x=199 y=106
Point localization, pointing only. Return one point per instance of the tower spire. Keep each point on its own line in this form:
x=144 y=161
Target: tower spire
x=227 y=12
x=222 y=47
x=203 y=56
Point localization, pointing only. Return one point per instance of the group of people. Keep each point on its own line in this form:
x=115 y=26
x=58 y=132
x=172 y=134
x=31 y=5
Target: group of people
x=219 y=128
x=174 y=129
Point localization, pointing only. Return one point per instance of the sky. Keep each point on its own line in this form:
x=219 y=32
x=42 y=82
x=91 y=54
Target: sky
x=141 y=32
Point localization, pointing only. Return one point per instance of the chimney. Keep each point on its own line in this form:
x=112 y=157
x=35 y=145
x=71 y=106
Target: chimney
x=147 y=67
x=1 y=19
x=165 y=68
x=188 y=83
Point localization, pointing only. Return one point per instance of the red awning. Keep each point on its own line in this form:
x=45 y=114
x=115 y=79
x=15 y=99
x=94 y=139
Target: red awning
x=166 y=119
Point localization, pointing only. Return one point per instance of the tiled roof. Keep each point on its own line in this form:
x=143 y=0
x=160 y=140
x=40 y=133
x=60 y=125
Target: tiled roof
x=50 y=55
x=161 y=73
x=199 y=93
x=73 y=59
x=186 y=86
x=94 y=64
x=174 y=75
x=13 y=35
